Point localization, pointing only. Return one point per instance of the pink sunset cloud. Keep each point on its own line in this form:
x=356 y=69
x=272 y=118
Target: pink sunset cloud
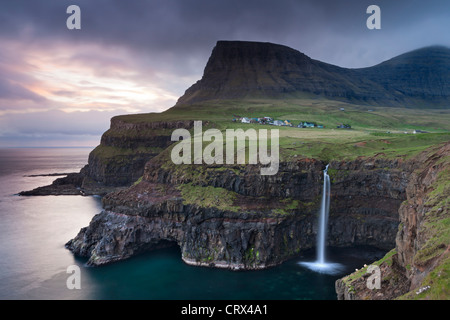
x=45 y=90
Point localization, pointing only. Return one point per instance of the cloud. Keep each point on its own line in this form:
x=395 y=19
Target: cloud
x=87 y=78
x=15 y=81
x=173 y=31
x=141 y=55
x=14 y=91
x=176 y=36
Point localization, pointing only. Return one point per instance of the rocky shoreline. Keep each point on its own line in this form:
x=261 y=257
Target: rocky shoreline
x=71 y=184
x=276 y=227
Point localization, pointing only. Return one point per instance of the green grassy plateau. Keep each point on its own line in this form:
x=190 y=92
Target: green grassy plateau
x=383 y=131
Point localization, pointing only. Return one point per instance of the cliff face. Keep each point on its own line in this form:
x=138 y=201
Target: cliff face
x=240 y=69
x=235 y=218
x=423 y=240
x=124 y=149
x=365 y=197
x=418 y=266
x=206 y=236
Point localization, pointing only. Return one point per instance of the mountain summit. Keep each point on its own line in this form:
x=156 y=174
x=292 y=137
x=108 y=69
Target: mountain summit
x=242 y=69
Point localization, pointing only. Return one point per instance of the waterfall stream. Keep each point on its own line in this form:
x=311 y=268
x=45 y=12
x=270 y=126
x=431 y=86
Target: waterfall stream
x=320 y=265
x=323 y=217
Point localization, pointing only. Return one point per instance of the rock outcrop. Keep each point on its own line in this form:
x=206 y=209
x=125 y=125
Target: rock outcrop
x=70 y=184
x=124 y=149
x=206 y=236
x=418 y=266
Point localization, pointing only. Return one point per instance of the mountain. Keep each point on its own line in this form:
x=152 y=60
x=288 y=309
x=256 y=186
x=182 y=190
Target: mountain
x=242 y=69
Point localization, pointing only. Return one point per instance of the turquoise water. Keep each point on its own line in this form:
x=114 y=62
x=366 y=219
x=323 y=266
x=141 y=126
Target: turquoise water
x=34 y=262
x=162 y=275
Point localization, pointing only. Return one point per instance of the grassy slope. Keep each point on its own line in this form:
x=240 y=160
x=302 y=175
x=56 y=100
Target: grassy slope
x=368 y=135
x=321 y=111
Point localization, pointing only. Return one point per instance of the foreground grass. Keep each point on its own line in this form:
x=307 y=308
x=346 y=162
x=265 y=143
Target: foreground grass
x=345 y=147
x=208 y=197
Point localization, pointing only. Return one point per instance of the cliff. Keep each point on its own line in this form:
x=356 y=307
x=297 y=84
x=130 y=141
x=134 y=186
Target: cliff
x=119 y=160
x=124 y=149
x=418 y=266
x=232 y=217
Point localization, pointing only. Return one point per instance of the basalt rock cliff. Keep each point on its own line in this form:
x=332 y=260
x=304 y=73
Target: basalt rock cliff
x=232 y=217
x=417 y=268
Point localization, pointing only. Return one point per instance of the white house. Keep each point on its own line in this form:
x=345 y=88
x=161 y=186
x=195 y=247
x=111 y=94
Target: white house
x=245 y=120
x=278 y=123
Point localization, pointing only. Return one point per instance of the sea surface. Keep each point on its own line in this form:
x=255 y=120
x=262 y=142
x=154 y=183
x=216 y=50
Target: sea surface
x=34 y=262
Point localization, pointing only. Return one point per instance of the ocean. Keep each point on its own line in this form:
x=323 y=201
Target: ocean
x=34 y=262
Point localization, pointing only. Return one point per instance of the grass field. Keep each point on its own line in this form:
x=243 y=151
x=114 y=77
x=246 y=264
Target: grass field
x=323 y=112
x=375 y=130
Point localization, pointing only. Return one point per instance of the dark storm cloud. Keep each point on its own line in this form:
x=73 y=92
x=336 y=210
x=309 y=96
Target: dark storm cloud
x=179 y=29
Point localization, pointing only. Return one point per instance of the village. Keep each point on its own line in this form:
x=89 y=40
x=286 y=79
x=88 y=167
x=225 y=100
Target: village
x=288 y=123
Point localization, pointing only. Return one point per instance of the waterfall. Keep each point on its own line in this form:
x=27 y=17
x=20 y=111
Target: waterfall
x=320 y=265
x=323 y=217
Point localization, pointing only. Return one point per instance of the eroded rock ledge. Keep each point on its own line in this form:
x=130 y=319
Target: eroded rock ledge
x=235 y=218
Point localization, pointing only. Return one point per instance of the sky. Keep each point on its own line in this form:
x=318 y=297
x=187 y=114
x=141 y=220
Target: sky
x=60 y=87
